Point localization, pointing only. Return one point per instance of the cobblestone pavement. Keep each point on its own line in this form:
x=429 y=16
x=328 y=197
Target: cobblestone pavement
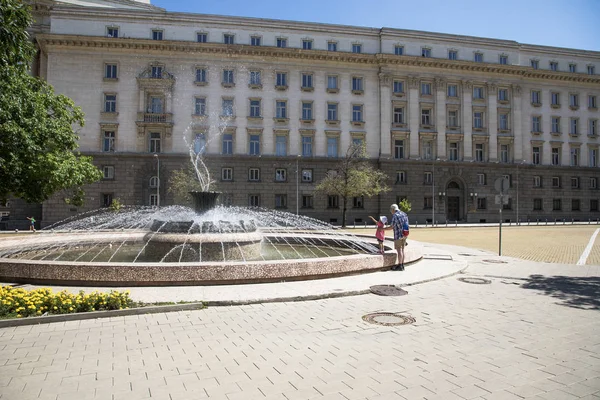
x=535 y=337
x=553 y=243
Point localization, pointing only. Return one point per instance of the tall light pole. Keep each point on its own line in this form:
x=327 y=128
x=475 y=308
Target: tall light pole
x=519 y=163
x=157 y=180
x=297 y=181
x=433 y=195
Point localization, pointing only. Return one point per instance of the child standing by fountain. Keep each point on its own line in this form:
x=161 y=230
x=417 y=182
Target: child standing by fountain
x=380 y=232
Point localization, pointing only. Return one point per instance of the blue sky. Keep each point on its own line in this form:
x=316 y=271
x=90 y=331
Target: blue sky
x=561 y=23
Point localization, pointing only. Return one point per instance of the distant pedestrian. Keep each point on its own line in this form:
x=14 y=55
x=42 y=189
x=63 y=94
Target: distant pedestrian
x=32 y=226
x=380 y=232
x=400 y=226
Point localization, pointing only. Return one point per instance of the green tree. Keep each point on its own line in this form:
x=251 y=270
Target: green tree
x=181 y=183
x=354 y=176
x=37 y=139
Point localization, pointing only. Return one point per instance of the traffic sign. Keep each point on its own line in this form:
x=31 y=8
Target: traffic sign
x=501 y=185
x=502 y=199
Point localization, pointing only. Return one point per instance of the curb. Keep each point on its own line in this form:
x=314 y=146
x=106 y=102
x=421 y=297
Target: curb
x=9 y=323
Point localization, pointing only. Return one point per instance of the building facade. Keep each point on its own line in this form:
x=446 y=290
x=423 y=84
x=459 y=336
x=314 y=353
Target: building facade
x=273 y=105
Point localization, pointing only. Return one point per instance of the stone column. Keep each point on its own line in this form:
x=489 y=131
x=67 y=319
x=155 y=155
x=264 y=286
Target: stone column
x=440 y=124
x=142 y=99
x=492 y=89
x=520 y=144
x=385 y=119
x=414 y=121
x=467 y=120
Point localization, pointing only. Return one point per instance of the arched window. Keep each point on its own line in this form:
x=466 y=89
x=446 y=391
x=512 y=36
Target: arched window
x=154 y=182
x=453 y=185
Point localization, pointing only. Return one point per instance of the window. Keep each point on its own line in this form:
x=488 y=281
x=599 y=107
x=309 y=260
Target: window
x=507 y=206
x=357 y=112
x=452 y=90
x=481 y=179
x=553 y=66
x=574 y=100
x=201 y=75
x=253 y=200
x=425 y=52
x=255 y=40
x=593 y=161
x=398 y=87
x=227 y=108
x=280 y=175
x=281 y=43
x=478 y=57
x=575 y=205
x=398 y=115
x=502 y=94
x=357 y=48
x=555 y=156
x=536 y=123
x=307 y=144
x=154 y=142
x=228 y=77
x=555 y=99
x=280 y=109
x=357 y=84
x=398 y=50
x=592 y=103
x=452 y=55
x=427 y=150
x=332 y=114
x=536 y=155
x=281 y=79
x=110 y=103
x=574 y=124
x=400 y=176
x=481 y=203
x=399 y=149
x=503 y=60
x=478 y=120
x=110 y=71
x=428 y=178
x=228 y=38
x=425 y=89
x=307 y=113
x=254 y=145
x=307 y=44
x=227 y=143
x=427 y=202
x=556 y=181
x=254 y=174
x=199 y=106
x=555 y=124
x=331 y=46
x=478 y=92
x=199 y=143
x=479 y=152
x=255 y=78
x=307 y=175
x=280 y=201
x=504 y=153
x=108 y=141
x=573 y=68
x=591 y=70
x=453 y=156
x=426 y=117
x=556 y=205
x=332 y=82
x=536 y=97
x=593 y=183
x=255 y=108
x=503 y=122
x=358 y=202
x=535 y=64
x=226 y=174
x=201 y=37
x=593 y=204
x=108 y=172
x=538 y=204
x=333 y=201
x=281 y=145
x=537 y=181
x=574 y=182
x=156 y=71
x=153 y=184
x=332 y=146
x=156 y=105
x=157 y=34
x=358 y=141
x=453 y=118
x=307 y=201
x=307 y=81
x=112 y=32
x=107 y=199
x=574 y=156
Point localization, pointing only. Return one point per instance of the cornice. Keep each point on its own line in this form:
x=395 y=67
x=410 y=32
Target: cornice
x=380 y=59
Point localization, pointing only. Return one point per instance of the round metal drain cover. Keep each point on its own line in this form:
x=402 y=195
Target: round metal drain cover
x=475 y=281
x=387 y=290
x=388 y=319
x=495 y=261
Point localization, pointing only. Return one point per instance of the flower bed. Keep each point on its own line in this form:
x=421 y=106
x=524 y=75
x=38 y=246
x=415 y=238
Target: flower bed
x=18 y=302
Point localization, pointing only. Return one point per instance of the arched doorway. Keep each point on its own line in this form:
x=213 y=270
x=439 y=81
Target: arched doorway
x=454 y=203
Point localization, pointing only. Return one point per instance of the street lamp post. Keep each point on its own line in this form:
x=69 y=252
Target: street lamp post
x=433 y=195
x=520 y=162
x=297 y=180
x=157 y=180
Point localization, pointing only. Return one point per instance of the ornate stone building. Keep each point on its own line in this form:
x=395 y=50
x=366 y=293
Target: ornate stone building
x=274 y=104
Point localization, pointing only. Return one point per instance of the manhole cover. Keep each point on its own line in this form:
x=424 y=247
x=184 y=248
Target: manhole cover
x=495 y=261
x=475 y=281
x=388 y=319
x=387 y=290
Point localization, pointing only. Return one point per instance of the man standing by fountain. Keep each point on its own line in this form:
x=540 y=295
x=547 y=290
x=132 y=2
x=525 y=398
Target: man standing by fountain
x=399 y=224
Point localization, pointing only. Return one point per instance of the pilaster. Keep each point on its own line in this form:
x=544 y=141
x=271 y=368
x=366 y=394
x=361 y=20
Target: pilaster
x=385 y=121
x=492 y=90
x=521 y=145
x=467 y=119
x=414 y=120
x=440 y=151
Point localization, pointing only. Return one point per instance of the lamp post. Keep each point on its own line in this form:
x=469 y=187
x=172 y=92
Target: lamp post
x=157 y=180
x=433 y=194
x=297 y=181
x=521 y=162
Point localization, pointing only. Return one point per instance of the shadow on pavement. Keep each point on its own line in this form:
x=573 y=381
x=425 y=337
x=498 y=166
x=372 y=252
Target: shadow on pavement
x=576 y=292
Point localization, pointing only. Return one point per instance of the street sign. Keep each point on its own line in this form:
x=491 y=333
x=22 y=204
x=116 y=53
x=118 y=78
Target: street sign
x=502 y=199
x=501 y=185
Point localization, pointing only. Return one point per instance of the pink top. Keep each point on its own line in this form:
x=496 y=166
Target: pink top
x=380 y=233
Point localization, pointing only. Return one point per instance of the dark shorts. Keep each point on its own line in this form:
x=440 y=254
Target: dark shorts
x=379 y=241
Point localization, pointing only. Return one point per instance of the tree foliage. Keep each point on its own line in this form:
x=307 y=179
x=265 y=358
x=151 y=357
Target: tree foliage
x=181 y=183
x=405 y=205
x=37 y=141
x=354 y=176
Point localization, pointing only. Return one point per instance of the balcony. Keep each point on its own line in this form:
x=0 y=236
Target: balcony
x=155 y=118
